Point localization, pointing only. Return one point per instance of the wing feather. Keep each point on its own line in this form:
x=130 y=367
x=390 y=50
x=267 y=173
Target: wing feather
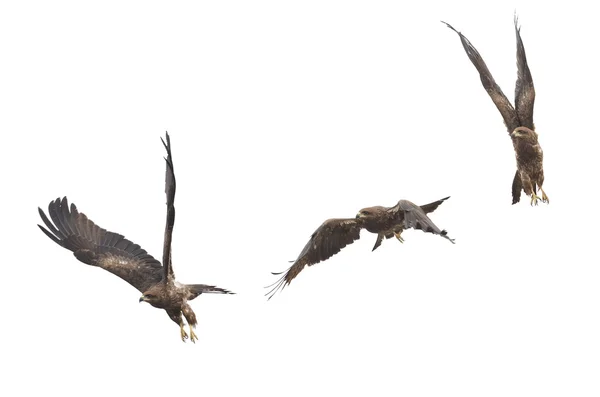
x=326 y=241
x=170 y=192
x=427 y=208
x=415 y=218
x=507 y=111
x=524 y=90
x=96 y=246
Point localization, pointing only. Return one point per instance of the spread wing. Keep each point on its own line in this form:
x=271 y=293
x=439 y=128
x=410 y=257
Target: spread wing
x=414 y=217
x=524 y=91
x=97 y=247
x=507 y=111
x=170 y=191
x=326 y=241
x=427 y=208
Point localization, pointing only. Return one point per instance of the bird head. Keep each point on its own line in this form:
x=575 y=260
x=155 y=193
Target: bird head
x=368 y=212
x=151 y=296
x=147 y=298
x=524 y=133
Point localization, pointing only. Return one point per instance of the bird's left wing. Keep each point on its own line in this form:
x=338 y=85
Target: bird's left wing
x=524 y=90
x=415 y=218
x=170 y=192
x=326 y=241
x=96 y=246
x=507 y=111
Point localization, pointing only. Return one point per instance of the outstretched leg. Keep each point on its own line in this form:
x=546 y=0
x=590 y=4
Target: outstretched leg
x=545 y=198
x=175 y=315
x=529 y=188
x=193 y=336
x=190 y=316
x=184 y=336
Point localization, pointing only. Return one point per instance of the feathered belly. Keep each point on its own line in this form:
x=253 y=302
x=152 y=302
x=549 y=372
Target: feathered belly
x=530 y=158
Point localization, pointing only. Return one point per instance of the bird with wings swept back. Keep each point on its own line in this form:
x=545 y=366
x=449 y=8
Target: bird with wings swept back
x=110 y=251
x=335 y=234
x=518 y=120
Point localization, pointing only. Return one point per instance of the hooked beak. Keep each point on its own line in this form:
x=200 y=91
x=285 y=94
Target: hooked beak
x=516 y=134
x=142 y=299
x=358 y=215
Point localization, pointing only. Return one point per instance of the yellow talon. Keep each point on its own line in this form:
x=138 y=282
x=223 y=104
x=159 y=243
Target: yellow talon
x=398 y=236
x=193 y=336
x=545 y=198
x=184 y=335
x=534 y=198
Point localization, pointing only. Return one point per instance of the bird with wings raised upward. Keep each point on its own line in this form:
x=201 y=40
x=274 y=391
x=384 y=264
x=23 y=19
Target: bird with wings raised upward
x=518 y=120
x=110 y=251
x=335 y=234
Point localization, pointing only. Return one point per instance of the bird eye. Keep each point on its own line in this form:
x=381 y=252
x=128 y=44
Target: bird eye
x=149 y=296
x=365 y=212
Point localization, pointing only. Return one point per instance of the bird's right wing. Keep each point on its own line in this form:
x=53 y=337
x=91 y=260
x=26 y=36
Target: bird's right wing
x=170 y=192
x=95 y=246
x=427 y=208
x=507 y=111
x=524 y=90
x=326 y=241
x=414 y=217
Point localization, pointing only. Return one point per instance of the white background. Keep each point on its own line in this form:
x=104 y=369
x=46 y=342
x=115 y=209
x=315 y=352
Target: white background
x=283 y=115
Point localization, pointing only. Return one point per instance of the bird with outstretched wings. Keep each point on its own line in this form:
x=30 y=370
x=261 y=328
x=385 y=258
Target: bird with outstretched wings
x=110 y=251
x=529 y=176
x=335 y=234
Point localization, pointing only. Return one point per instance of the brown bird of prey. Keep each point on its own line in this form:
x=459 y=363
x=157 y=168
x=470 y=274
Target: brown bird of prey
x=335 y=234
x=518 y=120
x=110 y=251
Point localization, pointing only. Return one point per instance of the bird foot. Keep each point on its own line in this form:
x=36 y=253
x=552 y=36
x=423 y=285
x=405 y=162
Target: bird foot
x=545 y=198
x=184 y=335
x=193 y=336
x=534 y=199
x=399 y=237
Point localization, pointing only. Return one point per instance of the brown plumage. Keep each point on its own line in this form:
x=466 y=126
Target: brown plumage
x=335 y=234
x=110 y=251
x=518 y=120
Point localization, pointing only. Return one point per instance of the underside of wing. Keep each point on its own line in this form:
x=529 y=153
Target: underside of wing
x=524 y=90
x=95 y=246
x=326 y=241
x=500 y=100
x=415 y=218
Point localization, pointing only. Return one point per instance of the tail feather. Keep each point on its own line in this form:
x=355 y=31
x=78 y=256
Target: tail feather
x=517 y=186
x=197 y=289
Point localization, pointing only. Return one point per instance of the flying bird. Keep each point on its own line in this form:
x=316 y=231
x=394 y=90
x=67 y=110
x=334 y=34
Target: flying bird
x=518 y=120
x=335 y=234
x=110 y=251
